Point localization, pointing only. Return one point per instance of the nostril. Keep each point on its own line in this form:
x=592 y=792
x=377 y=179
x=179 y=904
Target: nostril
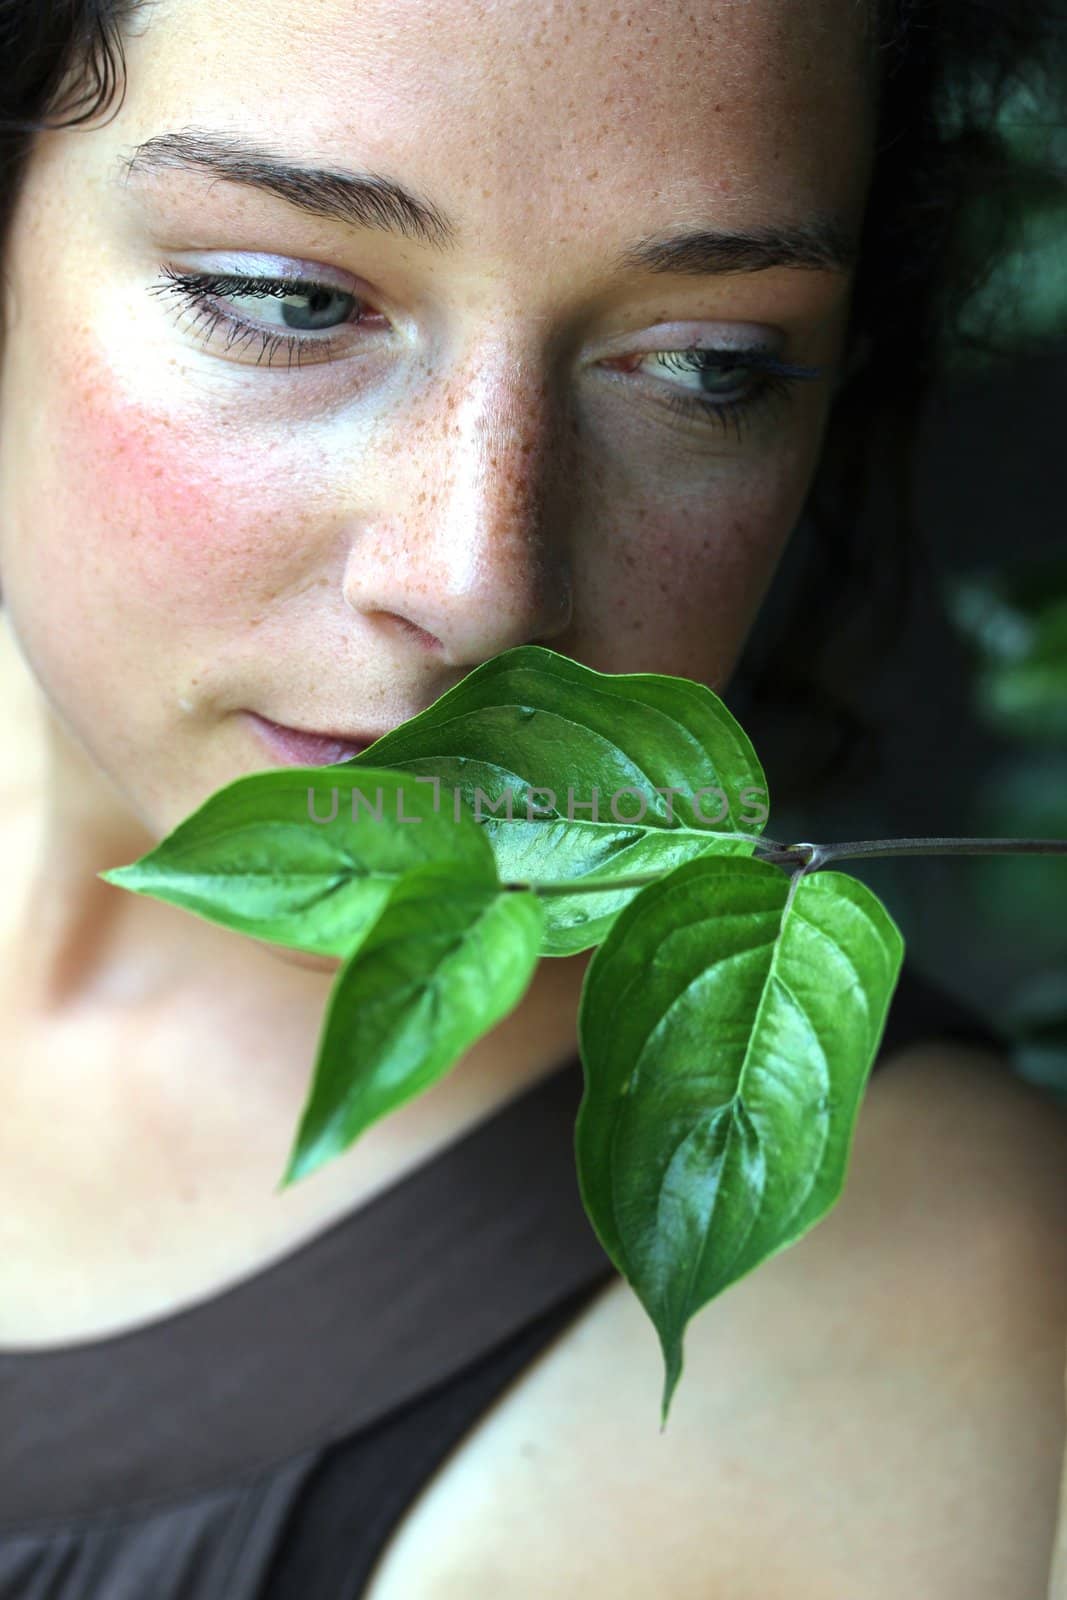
x=429 y=641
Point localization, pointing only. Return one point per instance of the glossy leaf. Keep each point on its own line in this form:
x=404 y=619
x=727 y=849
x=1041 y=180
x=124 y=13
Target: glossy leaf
x=252 y=858
x=727 y=1029
x=445 y=961
x=531 y=720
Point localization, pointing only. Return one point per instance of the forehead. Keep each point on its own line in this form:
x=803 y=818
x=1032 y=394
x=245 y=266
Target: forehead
x=539 y=112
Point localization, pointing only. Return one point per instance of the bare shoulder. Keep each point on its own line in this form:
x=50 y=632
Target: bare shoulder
x=876 y=1412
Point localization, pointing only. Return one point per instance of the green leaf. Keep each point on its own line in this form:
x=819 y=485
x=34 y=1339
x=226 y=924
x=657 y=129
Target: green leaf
x=446 y=960
x=252 y=858
x=531 y=720
x=727 y=1029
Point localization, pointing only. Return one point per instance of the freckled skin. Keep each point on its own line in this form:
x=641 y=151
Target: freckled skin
x=184 y=534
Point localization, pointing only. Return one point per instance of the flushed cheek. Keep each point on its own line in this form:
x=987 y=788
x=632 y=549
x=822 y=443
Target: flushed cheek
x=165 y=513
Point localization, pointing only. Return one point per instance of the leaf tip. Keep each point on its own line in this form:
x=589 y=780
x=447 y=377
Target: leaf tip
x=121 y=877
x=315 y=1146
x=288 y=1178
x=303 y=1161
x=672 y=1358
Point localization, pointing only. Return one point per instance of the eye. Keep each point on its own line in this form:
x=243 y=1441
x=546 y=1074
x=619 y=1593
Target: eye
x=734 y=383
x=299 y=305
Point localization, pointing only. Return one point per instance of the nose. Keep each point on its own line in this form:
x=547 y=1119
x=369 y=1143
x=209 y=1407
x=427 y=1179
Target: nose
x=467 y=547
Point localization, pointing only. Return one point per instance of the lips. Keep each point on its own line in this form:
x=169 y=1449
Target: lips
x=297 y=747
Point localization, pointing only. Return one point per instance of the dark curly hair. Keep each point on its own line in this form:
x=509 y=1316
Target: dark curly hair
x=948 y=200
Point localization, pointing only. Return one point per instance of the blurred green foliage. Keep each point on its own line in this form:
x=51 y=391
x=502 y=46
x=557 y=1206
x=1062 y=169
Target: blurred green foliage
x=1014 y=622
x=1022 y=303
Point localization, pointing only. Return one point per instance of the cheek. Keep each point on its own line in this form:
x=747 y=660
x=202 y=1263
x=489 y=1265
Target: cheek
x=685 y=588
x=157 y=508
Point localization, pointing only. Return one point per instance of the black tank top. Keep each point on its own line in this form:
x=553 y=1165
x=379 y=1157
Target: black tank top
x=263 y=1444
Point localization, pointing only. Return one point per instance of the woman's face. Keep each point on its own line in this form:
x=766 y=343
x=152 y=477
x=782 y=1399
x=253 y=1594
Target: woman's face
x=468 y=436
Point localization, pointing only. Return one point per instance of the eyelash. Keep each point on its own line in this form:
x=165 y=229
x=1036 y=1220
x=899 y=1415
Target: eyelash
x=774 y=379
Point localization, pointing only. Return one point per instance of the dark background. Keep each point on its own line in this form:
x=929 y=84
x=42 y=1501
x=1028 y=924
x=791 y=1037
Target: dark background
x=991 y=489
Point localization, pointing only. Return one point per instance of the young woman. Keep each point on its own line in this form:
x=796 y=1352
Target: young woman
x=351 y=347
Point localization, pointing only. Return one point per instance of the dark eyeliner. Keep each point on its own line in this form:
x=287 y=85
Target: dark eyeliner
x=198 y=289
x=775 y=380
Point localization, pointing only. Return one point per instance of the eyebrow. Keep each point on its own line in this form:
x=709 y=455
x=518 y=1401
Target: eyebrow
x=369 y=200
